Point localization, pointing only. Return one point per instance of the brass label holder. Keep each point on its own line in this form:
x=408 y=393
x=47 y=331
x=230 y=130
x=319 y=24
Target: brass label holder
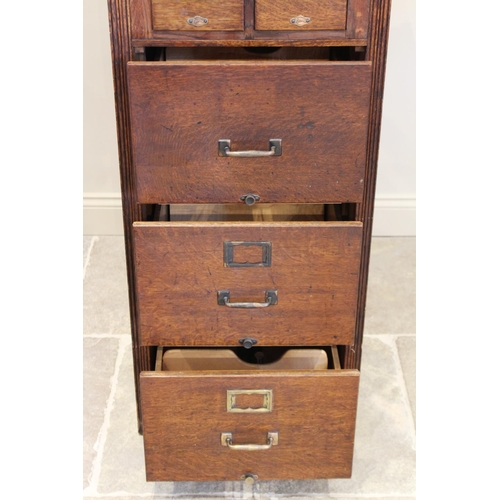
x=229 y=247
x=267 y=401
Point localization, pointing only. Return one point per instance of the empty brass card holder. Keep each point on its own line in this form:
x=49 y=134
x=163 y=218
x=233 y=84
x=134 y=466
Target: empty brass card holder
x=231 y=246
x=226 y=439
x=266 y=406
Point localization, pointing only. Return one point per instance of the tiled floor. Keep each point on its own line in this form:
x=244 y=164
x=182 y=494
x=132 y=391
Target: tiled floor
x=384 y=455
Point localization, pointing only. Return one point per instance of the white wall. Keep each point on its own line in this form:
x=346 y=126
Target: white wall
x=395 y=200
x=395 y=196
x=101 y=180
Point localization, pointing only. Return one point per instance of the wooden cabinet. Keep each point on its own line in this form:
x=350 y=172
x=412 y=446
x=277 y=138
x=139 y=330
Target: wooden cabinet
x=199 y=15
x=300 y=14
x=248 y=135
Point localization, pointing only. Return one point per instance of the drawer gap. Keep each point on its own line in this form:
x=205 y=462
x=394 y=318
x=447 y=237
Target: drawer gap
x=239 y=358
x=340 y=53
x=260 y=212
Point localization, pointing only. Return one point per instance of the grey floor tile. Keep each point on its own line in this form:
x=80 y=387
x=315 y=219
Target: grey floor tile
x=384 y=450
x=123 y=468
x=390 y=304
x=105 y=296
x=285 y=489
x=87 y=240
x=261 y=489
x=370 y=498
x=407 y=355
x=99 y=356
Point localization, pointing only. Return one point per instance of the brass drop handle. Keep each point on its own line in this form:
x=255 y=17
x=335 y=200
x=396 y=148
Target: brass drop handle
x=225 y=150
x=226 y=439
x=223 y=297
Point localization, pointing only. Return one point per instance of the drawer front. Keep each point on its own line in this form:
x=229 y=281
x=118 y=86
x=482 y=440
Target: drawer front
x=197 y=15
x=180 y=112
x=216 y=283
x=312 y=416
x=300 y=14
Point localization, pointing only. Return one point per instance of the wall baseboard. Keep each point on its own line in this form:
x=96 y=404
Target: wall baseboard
x=102 y=214
x=393 y=216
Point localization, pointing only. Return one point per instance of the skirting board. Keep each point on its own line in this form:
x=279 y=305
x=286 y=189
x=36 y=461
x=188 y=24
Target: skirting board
x=393 y=216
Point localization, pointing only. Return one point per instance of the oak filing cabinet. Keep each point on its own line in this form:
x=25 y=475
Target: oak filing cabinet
x=248 y=136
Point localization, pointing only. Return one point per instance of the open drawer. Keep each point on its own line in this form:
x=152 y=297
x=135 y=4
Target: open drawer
x=292 y=131
x=206 y=425
x=216 y=283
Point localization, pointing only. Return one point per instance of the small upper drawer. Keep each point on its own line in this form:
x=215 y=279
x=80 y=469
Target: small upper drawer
x=300 y=14
x=197 y=15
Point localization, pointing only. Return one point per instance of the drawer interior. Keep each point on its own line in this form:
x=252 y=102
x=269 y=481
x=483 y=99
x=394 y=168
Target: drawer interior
x=340 y=53
x=259 y=212
x=243 y=359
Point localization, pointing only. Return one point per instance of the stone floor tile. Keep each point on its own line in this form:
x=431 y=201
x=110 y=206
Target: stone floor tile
x=384 y=450
x=99 y=356
x=105 y=296
x=390 y=304
x=123 y=468
x=407 y=355
x=367 y=498
x=290 y=488
x=87 y=241
x=261 y=489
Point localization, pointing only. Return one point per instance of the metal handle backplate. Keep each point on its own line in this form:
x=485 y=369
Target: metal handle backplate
x=197 y=21
x=223 y=297
x=226 y=439
x=300 y=21
x=274 y=150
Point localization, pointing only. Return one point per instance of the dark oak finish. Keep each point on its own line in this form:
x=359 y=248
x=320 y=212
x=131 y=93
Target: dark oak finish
x=328 y=115
x=121 y=54
x=335 y=21
x=339 y=25
x=322 y=14
x=180 y=110
x=185 y=413
x=141 y=18
x=180 y=267
x=357 y=18
x=377 y=51
x=222 y=15
x=259 y=39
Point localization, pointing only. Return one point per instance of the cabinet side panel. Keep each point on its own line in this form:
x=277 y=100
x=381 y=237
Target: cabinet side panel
x=376 y=53
x=121 y=53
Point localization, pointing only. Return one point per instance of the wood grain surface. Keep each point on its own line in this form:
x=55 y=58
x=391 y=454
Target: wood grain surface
x=180 y=268
x=323 y=14
x=179 y=112
x=184 y=414
x=222 y=15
